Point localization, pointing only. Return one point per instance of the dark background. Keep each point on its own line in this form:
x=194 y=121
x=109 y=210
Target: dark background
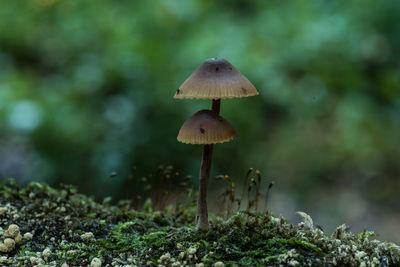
x=86 y=88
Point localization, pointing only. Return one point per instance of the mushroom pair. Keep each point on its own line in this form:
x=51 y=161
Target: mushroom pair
x=214 y=79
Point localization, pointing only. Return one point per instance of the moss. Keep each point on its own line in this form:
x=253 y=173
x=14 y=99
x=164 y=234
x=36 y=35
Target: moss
x=58 y=220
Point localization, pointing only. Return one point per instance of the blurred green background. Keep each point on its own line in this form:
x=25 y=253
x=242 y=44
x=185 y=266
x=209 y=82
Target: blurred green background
x=86 y=88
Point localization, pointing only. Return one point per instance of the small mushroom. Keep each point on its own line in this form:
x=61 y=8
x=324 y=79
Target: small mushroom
x=207 y=128
x=214 y=79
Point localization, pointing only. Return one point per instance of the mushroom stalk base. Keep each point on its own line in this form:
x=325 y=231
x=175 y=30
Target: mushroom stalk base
x=202 y=213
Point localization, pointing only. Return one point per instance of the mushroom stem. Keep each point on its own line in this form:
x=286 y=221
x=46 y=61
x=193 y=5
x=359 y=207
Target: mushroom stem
x=216 y=104
x=202 y=213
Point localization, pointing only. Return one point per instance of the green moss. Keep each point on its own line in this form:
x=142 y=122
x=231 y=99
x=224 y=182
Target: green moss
x=59 y=219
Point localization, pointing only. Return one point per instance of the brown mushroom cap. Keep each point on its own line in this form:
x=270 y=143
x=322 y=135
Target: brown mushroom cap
x=216 y=78
x=206 y=127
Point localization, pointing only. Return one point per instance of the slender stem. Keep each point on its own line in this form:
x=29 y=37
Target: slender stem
x=216 y=104
x=202 y=213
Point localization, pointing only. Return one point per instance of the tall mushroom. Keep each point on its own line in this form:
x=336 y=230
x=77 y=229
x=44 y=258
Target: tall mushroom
x=214 y=79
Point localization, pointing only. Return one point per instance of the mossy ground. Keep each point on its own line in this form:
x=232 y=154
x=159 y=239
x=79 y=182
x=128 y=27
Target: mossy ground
x=64 y=228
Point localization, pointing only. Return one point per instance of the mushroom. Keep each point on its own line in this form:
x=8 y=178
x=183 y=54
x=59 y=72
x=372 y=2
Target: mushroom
x=207 y=128
x=214 y=79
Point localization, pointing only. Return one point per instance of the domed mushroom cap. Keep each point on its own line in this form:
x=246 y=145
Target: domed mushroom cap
x=206 y=127
x=216 y=78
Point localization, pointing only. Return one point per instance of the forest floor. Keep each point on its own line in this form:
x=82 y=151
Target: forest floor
x=42 y=226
